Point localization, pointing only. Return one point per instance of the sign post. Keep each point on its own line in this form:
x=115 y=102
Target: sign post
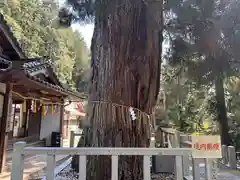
x=208 y=148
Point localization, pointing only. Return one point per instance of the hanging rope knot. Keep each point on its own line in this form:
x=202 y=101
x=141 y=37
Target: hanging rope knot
x=135 y=113
x=132 y=113
x=130 y=108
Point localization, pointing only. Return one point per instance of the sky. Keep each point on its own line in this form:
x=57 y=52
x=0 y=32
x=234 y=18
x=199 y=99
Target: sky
x=86 y=31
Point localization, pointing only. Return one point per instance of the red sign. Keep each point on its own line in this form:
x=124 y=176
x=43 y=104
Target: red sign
x=206 y=146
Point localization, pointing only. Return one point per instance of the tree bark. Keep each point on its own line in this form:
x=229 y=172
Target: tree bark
x=222 y=111
x=126 y=59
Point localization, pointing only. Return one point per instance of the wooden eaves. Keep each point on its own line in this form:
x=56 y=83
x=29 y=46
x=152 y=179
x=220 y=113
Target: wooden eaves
x=26 y=80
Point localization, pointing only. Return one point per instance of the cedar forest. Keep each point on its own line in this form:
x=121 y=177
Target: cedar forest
x=199 y=66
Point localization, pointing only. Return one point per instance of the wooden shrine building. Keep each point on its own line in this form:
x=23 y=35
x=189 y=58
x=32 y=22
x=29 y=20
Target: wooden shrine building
x=31 y=96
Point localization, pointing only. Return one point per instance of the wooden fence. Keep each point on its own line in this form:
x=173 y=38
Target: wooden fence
x=74 y=134
x=20 y=150
x=176 y=139
x=179 y=146
x=186 y=167
x=229 y=157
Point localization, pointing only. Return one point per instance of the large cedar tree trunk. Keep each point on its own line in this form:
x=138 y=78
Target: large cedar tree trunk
x=126 y=59
x=222 y=111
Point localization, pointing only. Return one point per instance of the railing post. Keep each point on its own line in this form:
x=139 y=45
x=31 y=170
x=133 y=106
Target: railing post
x=196 y=169
x=178 y=168
x=187 y=162
x=18 y=161
x=72 y=137
x=51 y=163
x=114 y=168
x=82 y=168
x=225 y=154
x=232 y=157
x=165 y=142
x=211 y=169
x=208 y=169
x=169 y=140
x=186 y=165
x=177 y=139
x=146 y=167
x=178 y=159
x=162 y=139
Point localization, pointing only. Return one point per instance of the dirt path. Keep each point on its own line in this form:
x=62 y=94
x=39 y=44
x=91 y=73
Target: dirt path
x=228 y=174
x=34 y=167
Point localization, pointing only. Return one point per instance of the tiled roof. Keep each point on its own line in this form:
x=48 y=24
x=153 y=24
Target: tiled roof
x=29 y=65
x=5 y=64
x=58 y=88
x=35 y=64
x=32 y=65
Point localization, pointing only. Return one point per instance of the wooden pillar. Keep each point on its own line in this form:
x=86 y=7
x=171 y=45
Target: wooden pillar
x=25 y=117
x=3 y=127
x=65 y=125
x=29 y=111
x=62 y=120
x=13 y=114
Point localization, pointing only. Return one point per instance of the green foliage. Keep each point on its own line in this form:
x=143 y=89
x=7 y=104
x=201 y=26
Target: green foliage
x=187 y=102
x=32 y=24
x=199 y=42
x=74 y=11
x=233 y=107
x=204 y=37
x=86 y=10
x=81 y=72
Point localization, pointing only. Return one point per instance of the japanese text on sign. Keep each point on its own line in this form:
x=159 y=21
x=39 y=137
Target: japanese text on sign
x=206 y=146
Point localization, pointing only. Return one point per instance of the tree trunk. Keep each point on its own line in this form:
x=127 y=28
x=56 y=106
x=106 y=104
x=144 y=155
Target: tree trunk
x=222 y=111
x=126 y=59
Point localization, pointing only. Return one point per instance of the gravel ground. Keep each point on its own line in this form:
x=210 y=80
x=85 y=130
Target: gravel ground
x=39 y=174
x=68 y=174
x=163 y=176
